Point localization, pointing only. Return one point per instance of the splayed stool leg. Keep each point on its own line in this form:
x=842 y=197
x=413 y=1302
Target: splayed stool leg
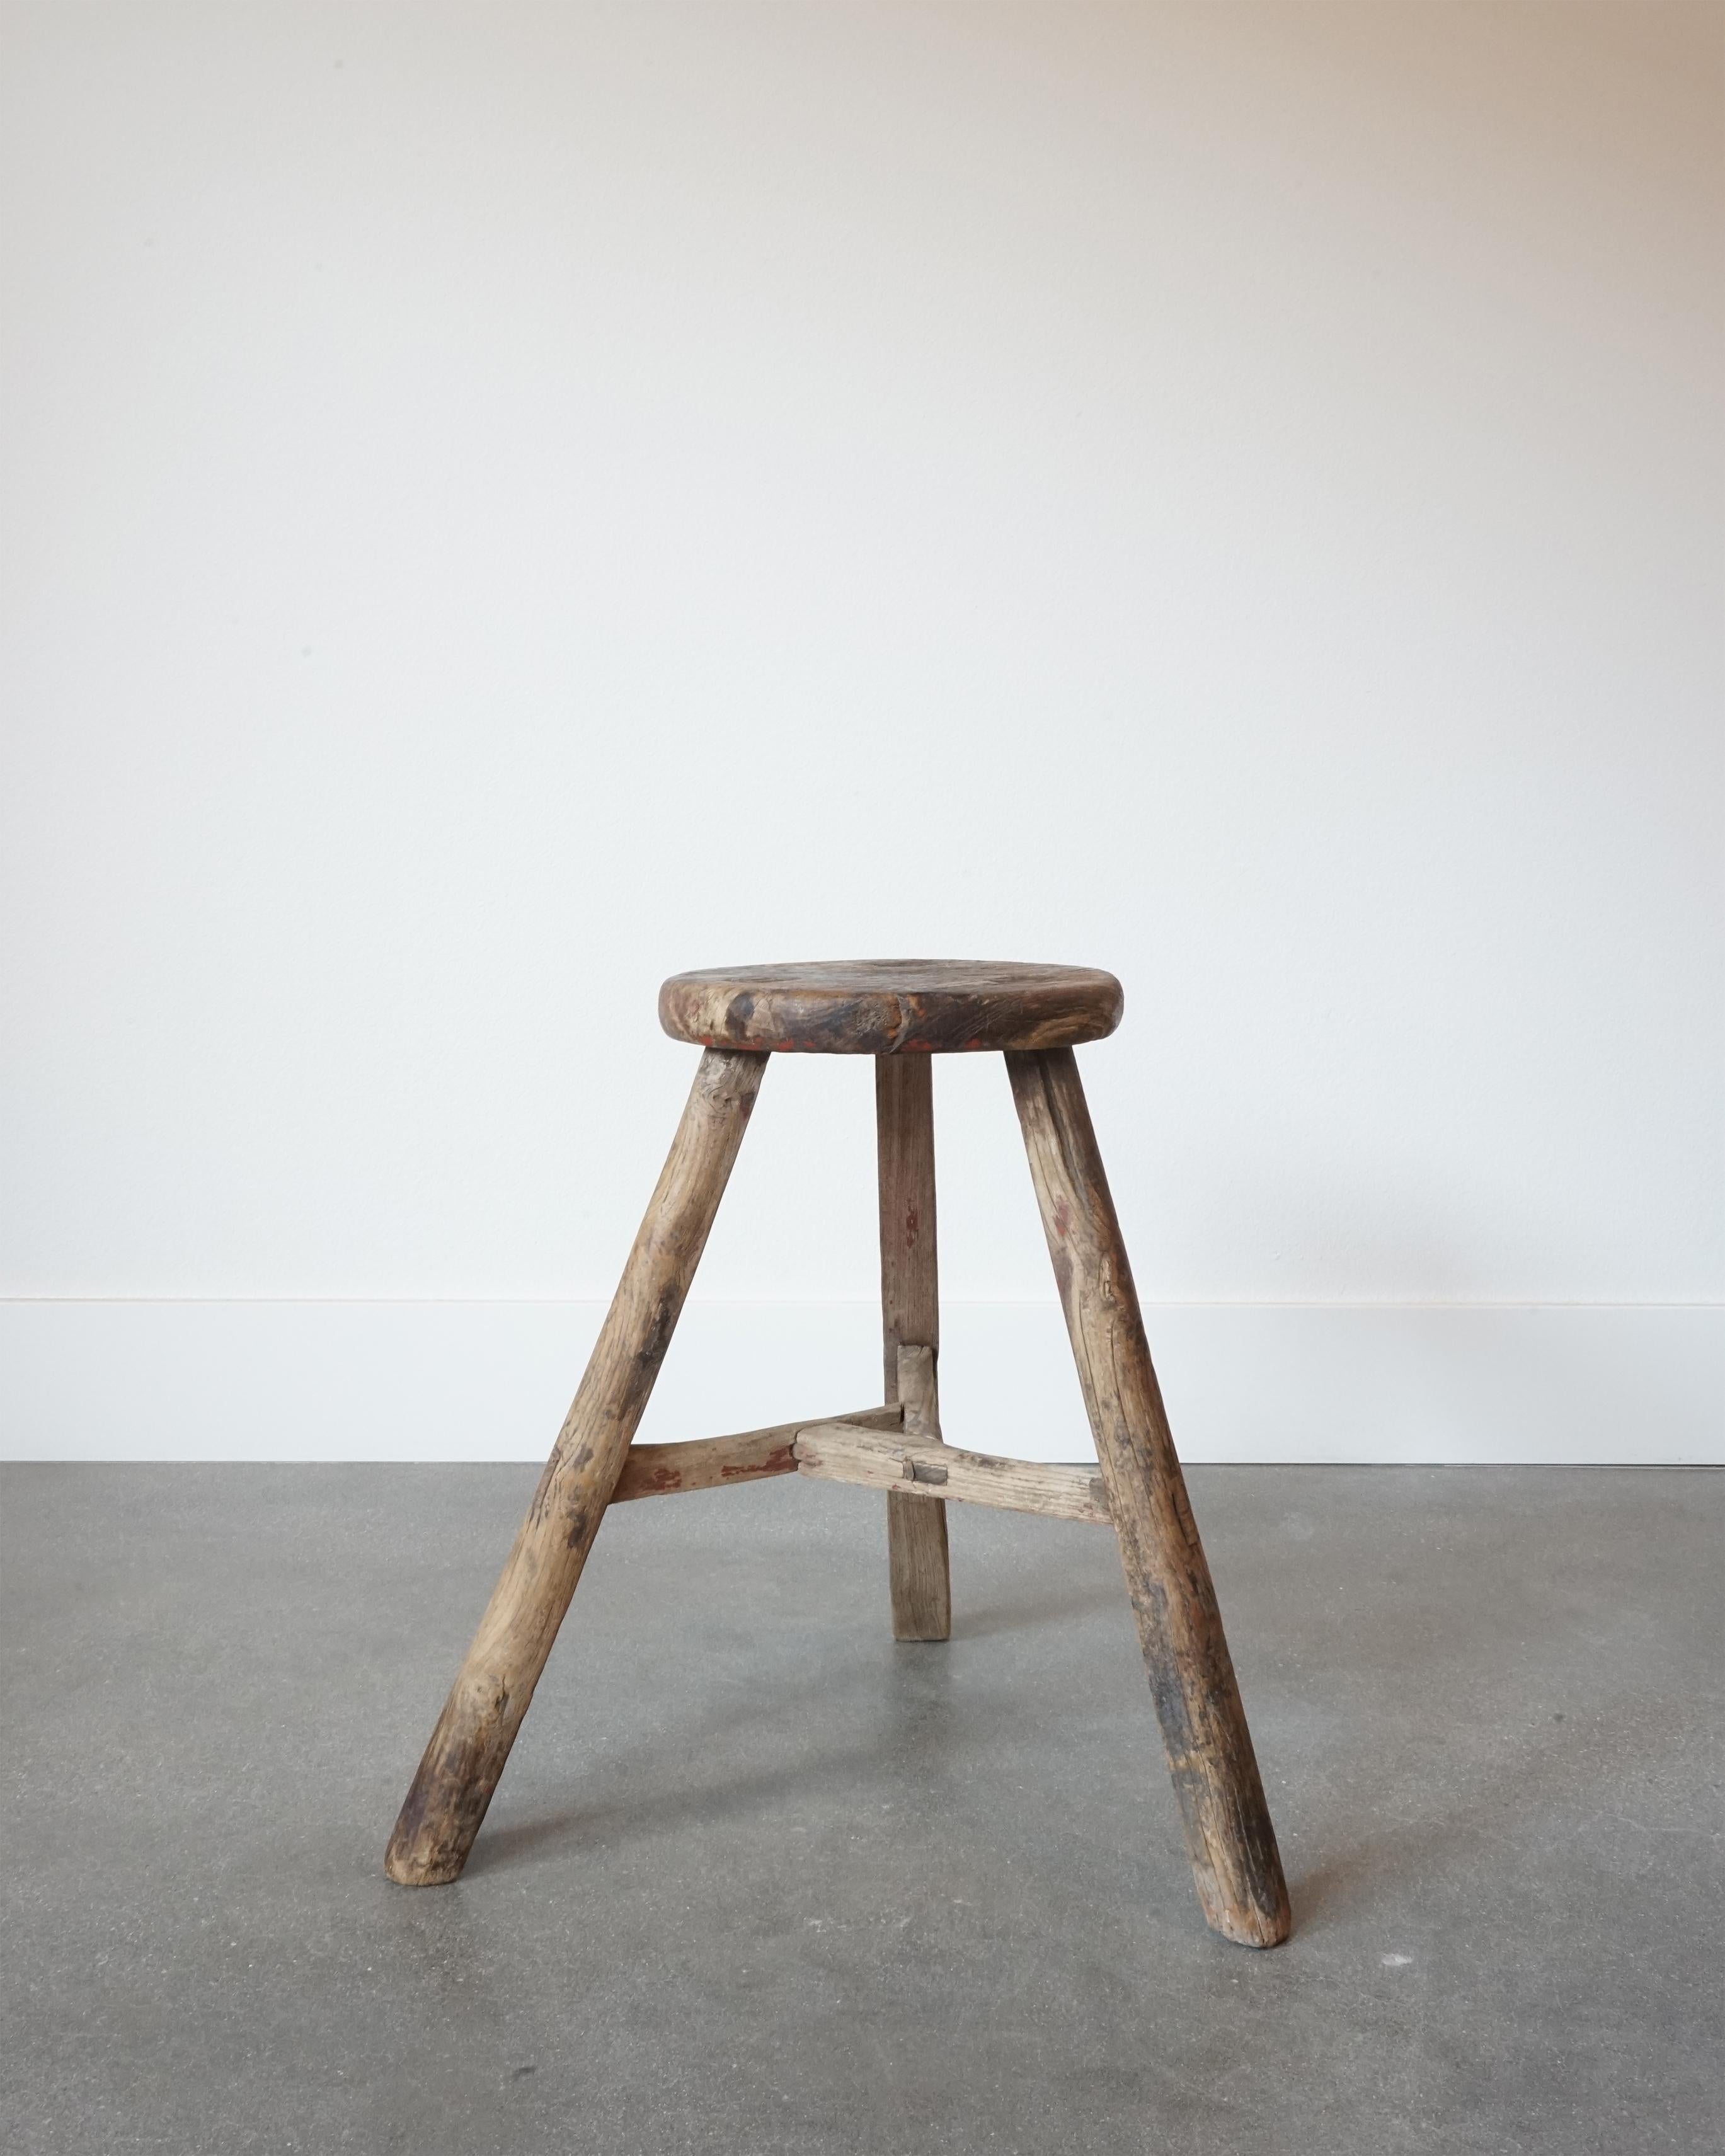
x=1228 y=1835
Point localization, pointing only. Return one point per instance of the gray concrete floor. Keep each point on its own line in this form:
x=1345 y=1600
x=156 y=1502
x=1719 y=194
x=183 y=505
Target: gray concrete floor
x=758 y=1881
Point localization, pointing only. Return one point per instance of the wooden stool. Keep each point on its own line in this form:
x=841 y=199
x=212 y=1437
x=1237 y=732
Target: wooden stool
x=901 y=1014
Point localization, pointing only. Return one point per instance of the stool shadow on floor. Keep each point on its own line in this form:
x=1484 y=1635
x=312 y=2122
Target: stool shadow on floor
x=1562 y=1781
x=1050 y=1604
x=907 y=1720
x=599 y=1825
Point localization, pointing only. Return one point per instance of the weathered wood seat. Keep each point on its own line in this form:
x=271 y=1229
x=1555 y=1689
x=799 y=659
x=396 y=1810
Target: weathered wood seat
x=890 y=1006
x=903 y=1014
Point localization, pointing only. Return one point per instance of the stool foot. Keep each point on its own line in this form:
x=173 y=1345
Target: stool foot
x=1228 y=1835
x=910 y=1325
x=471 y=1742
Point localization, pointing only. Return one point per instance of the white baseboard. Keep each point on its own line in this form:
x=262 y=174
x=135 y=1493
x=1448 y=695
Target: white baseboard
x=1591 y=1384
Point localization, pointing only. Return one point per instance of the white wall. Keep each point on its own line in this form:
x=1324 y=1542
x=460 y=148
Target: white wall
x=506 y=501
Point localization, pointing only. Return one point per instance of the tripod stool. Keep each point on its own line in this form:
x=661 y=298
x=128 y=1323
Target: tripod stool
x=902 y=1013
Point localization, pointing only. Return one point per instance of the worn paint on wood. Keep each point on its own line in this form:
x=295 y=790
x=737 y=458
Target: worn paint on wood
x=1229 y=1835
x=714 y=1463
x=891 y=1006
x=845 y=1451
x=471 y=1743
x=919 y=1574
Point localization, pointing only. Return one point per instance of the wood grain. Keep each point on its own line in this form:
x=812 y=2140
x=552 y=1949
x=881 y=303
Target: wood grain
x=847 y=1451
x=891 y=1006
x=1229 y=1835
x=919 y=1574
x=714 y=1463
x=472 y=1739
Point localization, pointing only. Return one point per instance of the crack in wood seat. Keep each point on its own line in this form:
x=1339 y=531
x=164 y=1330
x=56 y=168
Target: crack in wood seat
x=890 y=1006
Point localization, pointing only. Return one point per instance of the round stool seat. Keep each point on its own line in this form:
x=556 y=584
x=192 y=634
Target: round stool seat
x=890 y=1006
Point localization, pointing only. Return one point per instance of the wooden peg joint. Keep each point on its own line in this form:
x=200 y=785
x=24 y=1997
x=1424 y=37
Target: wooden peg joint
x=847 y=1452
x=714 y=1463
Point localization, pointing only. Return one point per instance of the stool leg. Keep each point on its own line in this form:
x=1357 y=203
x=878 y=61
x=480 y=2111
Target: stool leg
x=471 y=1741
x=911 y=1317
x=1203 y=1726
